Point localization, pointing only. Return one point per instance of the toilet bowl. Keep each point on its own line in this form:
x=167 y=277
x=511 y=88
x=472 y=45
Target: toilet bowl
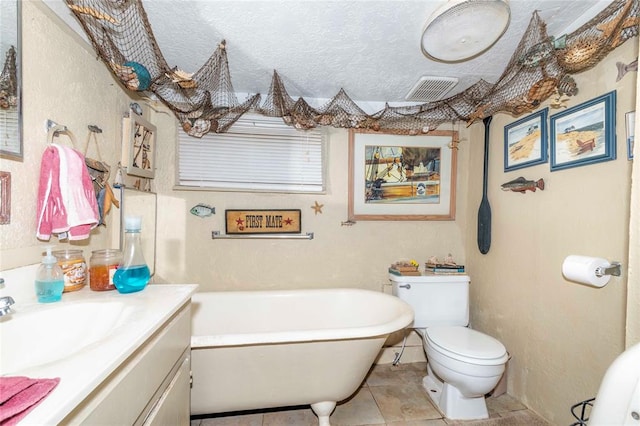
x=463 y=366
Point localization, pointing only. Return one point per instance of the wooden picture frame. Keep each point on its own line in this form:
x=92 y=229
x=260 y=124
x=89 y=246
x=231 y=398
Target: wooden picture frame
x=139 y=146
x=399 y=177
x=584 y=134
x=11 y=132
x=630 y=127
x=525 y=141
x=5 y=198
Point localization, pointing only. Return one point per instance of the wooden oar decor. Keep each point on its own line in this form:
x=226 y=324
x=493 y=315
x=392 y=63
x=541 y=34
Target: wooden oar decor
x=484 y=212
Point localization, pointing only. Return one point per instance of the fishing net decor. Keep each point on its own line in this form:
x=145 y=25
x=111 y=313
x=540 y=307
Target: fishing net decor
x=205 y=101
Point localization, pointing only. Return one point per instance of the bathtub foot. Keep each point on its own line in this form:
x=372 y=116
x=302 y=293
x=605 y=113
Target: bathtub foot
x=323 y=410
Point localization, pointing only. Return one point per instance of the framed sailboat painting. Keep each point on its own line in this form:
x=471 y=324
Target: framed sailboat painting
x=400 y=177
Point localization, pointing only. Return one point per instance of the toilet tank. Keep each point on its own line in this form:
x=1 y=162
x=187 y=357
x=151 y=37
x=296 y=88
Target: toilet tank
x=435 y=299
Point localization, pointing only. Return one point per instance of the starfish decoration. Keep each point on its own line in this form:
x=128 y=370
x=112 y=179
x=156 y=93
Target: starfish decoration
x=612 y=26
x=317 y=207
x=618 y=24
x=477 y=114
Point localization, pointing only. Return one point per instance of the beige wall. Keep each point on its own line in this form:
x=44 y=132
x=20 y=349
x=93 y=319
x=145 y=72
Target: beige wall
x=633 y=289
x=562 y=336
x=352 y=256
x=62 y=81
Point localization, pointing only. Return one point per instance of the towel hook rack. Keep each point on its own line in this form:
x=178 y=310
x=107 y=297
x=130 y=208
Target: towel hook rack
x=50 y=124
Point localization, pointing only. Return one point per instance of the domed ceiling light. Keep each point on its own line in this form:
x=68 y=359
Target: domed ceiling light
x=463 y=29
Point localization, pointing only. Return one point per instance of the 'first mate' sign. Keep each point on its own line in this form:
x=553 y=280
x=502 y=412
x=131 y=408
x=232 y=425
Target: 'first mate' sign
x=263 y=221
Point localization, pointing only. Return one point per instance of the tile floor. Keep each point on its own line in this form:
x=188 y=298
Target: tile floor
x=391 y=396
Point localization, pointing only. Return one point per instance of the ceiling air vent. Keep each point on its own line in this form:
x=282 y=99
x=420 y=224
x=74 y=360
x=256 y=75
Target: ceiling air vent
x=430 y=88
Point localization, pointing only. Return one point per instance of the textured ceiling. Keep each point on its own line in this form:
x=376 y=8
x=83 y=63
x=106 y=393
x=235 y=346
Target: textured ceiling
x=369 y=48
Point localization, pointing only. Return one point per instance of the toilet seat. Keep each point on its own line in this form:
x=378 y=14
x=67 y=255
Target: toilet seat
x=466 y=345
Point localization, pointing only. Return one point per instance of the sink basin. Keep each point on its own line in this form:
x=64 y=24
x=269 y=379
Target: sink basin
x=37 y=334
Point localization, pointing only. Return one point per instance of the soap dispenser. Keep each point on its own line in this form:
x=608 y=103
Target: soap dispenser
x=49 y=279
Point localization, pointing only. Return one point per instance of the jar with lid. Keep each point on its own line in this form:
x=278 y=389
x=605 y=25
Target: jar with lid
x=74 y=268
x=102 y=266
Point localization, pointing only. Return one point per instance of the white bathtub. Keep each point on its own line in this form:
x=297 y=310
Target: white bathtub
x=262 y=349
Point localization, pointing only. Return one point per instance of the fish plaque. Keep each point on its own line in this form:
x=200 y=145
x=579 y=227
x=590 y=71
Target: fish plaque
x=263 y=221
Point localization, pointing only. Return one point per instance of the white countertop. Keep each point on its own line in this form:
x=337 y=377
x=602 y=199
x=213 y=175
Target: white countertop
x=82 y=371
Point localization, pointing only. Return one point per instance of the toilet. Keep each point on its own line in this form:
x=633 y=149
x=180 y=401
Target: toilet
x=463 y=365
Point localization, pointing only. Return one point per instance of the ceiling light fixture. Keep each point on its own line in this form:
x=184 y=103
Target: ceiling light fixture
x=463 y=29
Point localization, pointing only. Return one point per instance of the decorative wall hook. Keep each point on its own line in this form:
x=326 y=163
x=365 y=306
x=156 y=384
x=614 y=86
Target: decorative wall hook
x=50 y=124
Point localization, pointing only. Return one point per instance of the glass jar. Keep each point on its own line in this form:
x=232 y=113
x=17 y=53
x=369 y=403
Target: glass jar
x=103 y=265
x=74 y=268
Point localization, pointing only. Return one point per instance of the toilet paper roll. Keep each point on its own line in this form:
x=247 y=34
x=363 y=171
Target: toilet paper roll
x=582 y=269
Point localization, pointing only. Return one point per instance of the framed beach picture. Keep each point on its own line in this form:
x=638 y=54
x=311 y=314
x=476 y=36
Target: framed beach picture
x=525 y=141
x=139 y=146
x=398 y=177
x=630 y=125
x=584 y=134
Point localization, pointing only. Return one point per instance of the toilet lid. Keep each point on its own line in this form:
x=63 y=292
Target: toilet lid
x=465 y=343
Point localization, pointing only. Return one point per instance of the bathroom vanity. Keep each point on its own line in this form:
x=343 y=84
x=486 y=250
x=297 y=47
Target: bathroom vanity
x=121 y=358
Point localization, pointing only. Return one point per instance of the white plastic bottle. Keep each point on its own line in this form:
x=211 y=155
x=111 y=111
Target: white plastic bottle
x=49 y=279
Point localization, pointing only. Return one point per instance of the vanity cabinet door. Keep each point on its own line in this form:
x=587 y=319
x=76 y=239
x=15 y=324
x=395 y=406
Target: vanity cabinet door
x=132 y=392
x=173 y=407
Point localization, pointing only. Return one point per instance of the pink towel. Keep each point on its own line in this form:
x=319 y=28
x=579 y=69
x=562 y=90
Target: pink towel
x=66 y=200
x=19 y=395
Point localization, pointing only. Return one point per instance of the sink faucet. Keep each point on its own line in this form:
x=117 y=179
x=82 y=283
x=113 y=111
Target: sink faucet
x=5 y=302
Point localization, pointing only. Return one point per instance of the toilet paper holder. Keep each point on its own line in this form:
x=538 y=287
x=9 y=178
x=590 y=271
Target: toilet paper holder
x=614 y=269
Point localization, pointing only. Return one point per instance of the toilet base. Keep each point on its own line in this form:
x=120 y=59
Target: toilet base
x=451 y=403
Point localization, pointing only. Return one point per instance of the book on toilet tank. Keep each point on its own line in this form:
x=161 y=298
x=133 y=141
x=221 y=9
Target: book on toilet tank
x=448 y=272
x=448 y=269
x=405 y=273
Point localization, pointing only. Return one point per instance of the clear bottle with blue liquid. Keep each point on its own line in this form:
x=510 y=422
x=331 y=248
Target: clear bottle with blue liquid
x=133 y=273
x=49 y=281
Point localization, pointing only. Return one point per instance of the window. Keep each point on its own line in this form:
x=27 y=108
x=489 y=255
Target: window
x=256 y=154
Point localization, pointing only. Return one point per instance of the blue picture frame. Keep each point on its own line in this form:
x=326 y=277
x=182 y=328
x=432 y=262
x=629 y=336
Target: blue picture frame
x=584 y=134
x=525 y=141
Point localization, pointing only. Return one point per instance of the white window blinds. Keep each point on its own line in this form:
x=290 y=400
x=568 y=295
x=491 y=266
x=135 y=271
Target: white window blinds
x=256 y=154
x=9 y=126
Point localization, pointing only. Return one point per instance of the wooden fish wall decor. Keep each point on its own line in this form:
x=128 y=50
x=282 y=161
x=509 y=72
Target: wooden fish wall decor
x=523 y=185
x=202 y=210
x=623 y=68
